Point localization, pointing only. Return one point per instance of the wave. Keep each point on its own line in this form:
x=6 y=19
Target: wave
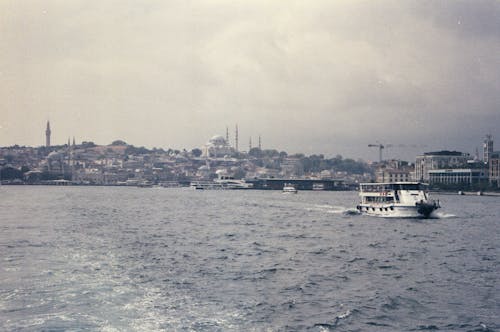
x=333 y=325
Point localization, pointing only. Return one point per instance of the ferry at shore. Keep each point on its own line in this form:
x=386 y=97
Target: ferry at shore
x=221 y=183
x=396 y=199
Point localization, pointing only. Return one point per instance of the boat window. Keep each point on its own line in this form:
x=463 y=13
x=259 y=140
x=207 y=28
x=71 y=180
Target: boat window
x=409 y=186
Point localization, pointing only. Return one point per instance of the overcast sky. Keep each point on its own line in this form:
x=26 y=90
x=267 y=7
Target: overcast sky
x=308 y=76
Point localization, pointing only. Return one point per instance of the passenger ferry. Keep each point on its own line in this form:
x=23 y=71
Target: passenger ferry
x=221 y=183
x=396 y=199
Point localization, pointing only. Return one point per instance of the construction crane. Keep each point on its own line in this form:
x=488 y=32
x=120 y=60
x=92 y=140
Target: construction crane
x=384 y=146
x=380 y=148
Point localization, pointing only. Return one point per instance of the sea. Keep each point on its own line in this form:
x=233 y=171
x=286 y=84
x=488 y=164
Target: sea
x=175 y=259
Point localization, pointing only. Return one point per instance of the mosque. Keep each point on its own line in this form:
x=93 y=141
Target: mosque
x=217 y=147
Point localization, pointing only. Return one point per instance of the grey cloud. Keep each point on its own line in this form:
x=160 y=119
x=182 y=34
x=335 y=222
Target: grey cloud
x=322 y=76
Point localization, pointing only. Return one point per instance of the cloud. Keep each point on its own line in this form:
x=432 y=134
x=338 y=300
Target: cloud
x=318 y=76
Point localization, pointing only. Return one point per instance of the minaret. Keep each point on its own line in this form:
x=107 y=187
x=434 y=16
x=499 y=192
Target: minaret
x=227 y=135
x=250 y=144
x=236 y=138
x=74 y=141
x=47 y=135
x=260 y=143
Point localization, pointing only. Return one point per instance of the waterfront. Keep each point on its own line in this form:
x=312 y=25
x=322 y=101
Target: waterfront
x=169 y=259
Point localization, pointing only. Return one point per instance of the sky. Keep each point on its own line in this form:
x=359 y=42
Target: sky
x=319 y=76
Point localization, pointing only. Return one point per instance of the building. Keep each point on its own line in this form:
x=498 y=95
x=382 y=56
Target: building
x=384 y=175
x=459 y=177
x=292 y=167
x=394 y=171
x=437 y=161
x=487 y=148
x=494 y=169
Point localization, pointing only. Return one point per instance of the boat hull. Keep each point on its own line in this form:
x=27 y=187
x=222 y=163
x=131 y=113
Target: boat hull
x=220 y=186
x=397 y=211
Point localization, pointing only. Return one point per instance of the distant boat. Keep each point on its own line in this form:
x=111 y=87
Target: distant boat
x=221 y=183
x=396 y=199
x=145 y=184
x=288 y=188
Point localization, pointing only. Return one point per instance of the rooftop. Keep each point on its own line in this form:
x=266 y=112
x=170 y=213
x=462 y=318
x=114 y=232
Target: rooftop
x=444 y=153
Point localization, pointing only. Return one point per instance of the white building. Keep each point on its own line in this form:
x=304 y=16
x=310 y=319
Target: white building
x=437 y=161
x=384 y=175
x=217 y=147
x=460 y=176
x=487 y=148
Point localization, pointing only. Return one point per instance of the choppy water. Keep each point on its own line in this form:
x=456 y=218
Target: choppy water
x=131 y=259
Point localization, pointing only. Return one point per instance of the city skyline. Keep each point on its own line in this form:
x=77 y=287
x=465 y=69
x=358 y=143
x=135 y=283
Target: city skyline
x=318 y=77
x=479 y=154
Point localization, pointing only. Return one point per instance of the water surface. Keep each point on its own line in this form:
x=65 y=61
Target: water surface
x=174 y=259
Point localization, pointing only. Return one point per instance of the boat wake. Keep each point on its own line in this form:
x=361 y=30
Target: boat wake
x=443 y=215
x=346 y=211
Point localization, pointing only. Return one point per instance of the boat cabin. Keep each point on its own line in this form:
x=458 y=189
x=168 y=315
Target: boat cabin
x=384 y=187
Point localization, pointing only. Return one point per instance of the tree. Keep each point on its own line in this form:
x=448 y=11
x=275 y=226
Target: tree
x=88 y=144
x=255 y=152
x=132 y=150
x=298 y=155
x=119 y=142
x=10 y=173
x=196 y=152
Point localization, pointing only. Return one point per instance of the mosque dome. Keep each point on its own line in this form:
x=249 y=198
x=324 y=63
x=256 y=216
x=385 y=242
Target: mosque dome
x=217 y=140
x=54 y=155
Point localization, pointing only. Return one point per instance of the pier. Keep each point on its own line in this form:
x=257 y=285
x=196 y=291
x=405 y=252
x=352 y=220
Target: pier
x=299 y=184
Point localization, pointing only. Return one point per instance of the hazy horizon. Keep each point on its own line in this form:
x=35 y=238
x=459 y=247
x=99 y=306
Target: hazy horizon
x=312 y=77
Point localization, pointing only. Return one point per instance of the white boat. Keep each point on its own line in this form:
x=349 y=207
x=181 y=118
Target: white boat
x=396 y=199
x=289 y=189
x=221 y=183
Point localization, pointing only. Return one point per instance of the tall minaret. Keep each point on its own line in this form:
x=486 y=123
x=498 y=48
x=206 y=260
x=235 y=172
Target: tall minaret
x=47 y=135
x=236 y=138
x=250 y=144
x=227 y=135
x=260 y=143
